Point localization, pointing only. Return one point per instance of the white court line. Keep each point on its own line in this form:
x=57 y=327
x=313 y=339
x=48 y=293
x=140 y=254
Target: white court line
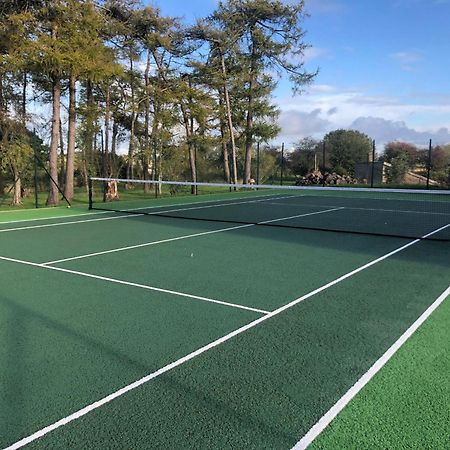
x=60 y=224
x=93 y=406
x=428 y=213
x=331 y=414
x=128 y=283
x=188 y=236
x=31 y=227
x=146 y=244
x=69 y=216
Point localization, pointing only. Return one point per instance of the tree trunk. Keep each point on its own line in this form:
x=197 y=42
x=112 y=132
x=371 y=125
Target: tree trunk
x=249 y=138
x=90 y=129
x=191 y=148
x=229 y=120
x=115 y=133
x=147 y=152
x=226 y=159
x=62 y=162
x=3 y=107
x=249 y=124
x=106 y=158
x=52 y=199
x=17 y=187
x=130 y=166
x=70 y=164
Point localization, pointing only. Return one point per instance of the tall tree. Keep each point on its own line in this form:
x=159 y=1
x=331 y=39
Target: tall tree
x=346 y=148
x=271 y=39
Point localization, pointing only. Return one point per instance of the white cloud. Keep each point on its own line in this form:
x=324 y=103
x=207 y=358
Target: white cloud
x=297 y=124
x=314 y=53
x=383 y=117
x=408 y=60
x=322 y=88
x=383 y=131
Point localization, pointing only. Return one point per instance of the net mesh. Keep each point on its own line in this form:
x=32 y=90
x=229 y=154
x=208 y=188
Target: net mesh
x=411 y=214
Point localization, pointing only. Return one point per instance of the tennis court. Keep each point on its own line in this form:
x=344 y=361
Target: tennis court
x=230 y=320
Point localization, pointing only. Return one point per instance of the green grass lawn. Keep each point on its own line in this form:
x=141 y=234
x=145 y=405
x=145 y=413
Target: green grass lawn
x=406 y=405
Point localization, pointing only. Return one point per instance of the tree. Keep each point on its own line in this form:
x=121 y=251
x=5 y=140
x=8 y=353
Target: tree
x=393 y=150
x=270 y=40
x=303 y=158
x=398 y=169
x=15 y=153
x=88 y=58
x=346 y=148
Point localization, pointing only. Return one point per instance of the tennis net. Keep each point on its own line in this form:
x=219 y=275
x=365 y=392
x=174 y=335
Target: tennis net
x=413 y=214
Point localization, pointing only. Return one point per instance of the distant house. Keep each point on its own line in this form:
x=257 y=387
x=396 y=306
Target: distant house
x=363 y=172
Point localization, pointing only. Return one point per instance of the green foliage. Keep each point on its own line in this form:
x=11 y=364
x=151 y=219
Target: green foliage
x=15 y=147
x=393 y=150
x=346 y=148
x=398 y=169
x=302 y=160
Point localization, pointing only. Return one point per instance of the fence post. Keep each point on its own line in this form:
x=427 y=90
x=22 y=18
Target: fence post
x=282 y=163
x=257 y=162
x=373 y=163
x=429 y=164
x=323 y=162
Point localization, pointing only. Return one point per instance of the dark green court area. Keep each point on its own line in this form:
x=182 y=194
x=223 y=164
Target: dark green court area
x=252 y=332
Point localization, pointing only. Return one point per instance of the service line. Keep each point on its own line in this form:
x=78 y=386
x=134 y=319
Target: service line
x=188 y=236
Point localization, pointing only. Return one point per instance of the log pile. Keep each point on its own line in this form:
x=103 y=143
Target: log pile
x=327 y=178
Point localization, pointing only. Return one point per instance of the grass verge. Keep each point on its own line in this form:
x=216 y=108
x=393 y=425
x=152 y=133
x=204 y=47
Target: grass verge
x=406 y=404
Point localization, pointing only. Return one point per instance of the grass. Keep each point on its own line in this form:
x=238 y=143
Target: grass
x=407 y=404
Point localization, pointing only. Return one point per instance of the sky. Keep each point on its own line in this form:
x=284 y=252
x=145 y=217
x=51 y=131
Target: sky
x=384 y=69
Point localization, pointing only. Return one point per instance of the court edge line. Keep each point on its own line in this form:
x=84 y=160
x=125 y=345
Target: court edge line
x=31 y=227
x=129 y=283
x=331 y=414
x=187 y=236
x=83 y=411
x=59 y=224
x=68 y=216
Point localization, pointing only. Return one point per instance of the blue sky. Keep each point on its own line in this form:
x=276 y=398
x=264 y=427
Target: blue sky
x=384 y=69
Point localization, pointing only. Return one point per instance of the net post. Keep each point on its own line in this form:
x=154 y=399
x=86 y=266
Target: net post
x=373 y=163
x=90 y=192
x=429 y=163
x=282 y=164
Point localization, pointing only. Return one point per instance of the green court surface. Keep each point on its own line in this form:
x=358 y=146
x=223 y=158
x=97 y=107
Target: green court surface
x=137 y=331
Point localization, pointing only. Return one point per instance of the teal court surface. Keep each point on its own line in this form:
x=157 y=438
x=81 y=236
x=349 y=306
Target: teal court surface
x=136 y=330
